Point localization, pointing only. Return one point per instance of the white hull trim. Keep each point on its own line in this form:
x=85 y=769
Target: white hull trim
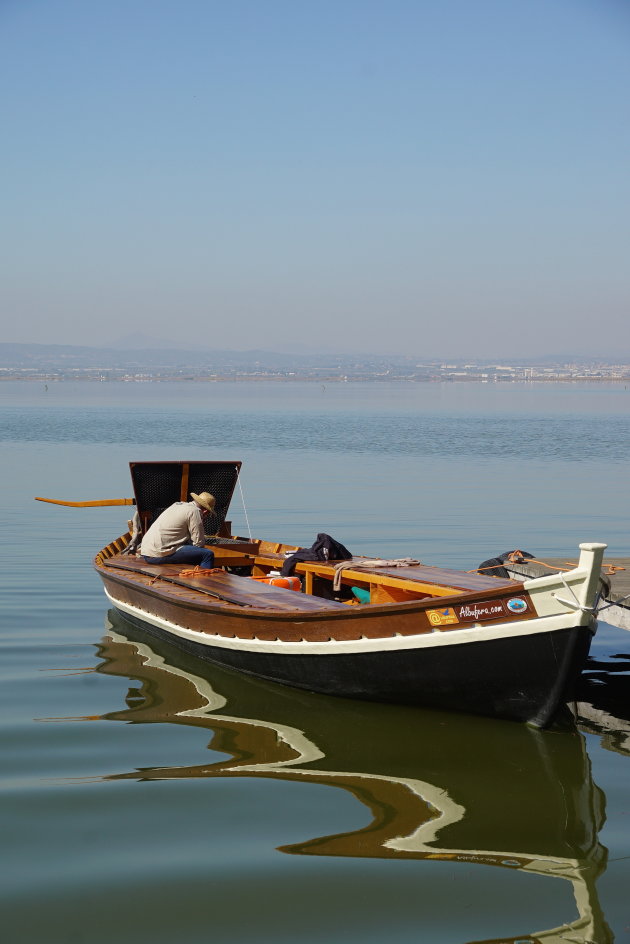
x=453 y=637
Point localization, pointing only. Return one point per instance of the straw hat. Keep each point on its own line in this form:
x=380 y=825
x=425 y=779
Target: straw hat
x=206 y=500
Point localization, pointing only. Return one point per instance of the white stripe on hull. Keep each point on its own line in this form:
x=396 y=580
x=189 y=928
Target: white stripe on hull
x=453 y=637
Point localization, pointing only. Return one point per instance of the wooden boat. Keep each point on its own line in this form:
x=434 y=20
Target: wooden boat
x=428 y=636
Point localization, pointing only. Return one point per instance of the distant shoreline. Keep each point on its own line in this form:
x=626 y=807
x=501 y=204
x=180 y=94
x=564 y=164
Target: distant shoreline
x=322 y=381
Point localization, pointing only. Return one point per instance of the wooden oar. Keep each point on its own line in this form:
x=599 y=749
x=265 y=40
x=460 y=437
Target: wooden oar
x=99 y=503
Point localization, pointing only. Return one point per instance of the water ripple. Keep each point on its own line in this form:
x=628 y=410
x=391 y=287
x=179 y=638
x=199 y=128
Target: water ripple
x=560 y=437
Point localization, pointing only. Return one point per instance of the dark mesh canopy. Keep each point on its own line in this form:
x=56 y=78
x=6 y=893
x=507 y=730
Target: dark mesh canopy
x=157 y=485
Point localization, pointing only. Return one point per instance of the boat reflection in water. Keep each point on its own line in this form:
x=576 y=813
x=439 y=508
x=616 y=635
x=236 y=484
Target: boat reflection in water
x=438 y=786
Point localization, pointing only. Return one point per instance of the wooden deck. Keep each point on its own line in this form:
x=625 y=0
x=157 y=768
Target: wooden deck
x=227 y=587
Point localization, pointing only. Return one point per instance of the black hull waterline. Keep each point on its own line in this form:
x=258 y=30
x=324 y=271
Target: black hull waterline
x=526 y=678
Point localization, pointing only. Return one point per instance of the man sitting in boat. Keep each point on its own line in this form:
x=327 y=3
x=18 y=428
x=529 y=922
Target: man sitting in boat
x=177 y=536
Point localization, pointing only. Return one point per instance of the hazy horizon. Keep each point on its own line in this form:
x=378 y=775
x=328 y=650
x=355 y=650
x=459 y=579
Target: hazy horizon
x=162 y=346
x=434 y=178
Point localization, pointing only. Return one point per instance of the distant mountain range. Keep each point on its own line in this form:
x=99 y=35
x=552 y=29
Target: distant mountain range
x=56 y=356
x=124 y=357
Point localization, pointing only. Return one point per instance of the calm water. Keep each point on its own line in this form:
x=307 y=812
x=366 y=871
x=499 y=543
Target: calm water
x=148 y=798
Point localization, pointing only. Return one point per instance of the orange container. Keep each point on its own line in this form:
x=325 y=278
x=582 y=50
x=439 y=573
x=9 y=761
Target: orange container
x=289 y=583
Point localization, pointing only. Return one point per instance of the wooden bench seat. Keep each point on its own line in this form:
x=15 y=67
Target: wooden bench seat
x=419 y=579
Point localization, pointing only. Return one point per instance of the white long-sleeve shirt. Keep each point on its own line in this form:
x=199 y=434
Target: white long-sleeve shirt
x=178 y=524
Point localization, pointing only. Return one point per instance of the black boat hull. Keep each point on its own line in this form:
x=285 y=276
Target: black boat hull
x=528 y=678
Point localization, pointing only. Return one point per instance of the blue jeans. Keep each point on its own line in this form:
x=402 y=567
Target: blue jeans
x=188 y=554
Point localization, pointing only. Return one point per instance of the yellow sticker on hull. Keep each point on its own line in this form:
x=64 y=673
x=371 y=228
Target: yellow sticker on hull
x=444 y=617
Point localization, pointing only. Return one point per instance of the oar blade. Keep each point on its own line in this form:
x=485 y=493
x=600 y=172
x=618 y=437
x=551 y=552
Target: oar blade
x=98 y=503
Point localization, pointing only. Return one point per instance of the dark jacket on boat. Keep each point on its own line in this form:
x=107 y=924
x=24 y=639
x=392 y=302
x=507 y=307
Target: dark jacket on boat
x=325 y=548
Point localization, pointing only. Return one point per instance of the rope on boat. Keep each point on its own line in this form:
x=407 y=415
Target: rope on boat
x=370 y=565
x=200 y=571
x=240 y=487
x=530 y=560
x=608 y=571
x=575 y=603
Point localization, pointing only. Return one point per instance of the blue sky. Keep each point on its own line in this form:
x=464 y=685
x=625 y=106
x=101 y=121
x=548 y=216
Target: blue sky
x=438 y=177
